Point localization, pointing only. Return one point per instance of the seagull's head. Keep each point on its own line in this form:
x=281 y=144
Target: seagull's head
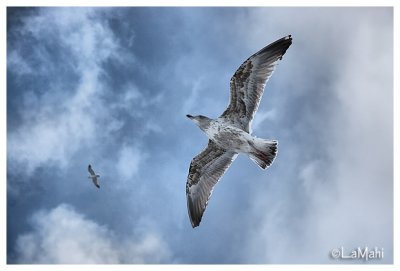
x=200 y=120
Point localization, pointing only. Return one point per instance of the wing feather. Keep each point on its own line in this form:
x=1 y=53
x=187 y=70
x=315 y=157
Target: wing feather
x=91 y=170
x=205 y=171
x=248 y=82
x=96 y=182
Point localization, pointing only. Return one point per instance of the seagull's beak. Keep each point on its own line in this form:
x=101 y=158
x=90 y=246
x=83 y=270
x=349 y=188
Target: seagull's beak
x=189 y=116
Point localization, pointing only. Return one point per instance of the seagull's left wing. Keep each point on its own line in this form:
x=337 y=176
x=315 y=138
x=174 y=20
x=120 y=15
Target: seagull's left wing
x=205 y=171
x=248 y=82
x=96 y=182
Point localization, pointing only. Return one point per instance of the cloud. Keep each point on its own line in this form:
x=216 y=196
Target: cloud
x=343 y=195
x=69 y=114
x=111 y=87
x=64 y=236
x=17 y=64
x=262 y=116
x=56 y=130
x=129 y=161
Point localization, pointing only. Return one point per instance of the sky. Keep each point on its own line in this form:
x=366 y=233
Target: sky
x=111 y=87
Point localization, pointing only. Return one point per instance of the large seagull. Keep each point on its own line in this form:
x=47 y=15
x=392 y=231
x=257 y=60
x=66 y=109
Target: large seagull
x=230 y=134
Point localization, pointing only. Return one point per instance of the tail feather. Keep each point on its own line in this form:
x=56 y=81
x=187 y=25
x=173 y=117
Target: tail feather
x=264 y=152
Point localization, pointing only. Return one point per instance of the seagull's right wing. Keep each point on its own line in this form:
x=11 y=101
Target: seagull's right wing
x=248 y=82
x=205 y=171
x=91 y=170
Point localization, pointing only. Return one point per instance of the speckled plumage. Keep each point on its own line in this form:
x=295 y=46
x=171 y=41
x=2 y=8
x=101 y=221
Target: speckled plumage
x=230 y=134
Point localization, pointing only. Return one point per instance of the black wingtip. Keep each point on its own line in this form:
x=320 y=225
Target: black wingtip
x=287 y=40
x=195 y=224
x=194 y=217
x=283 y=44
x=279 y=46
x=290 y=38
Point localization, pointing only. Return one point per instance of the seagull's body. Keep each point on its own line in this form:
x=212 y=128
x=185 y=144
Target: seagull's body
x=230 y=134
x=93 y=176
x=230 y=137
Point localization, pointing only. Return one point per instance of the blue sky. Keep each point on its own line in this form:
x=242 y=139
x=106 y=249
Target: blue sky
x=111 y=87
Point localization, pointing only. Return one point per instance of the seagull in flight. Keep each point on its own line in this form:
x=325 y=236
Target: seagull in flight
x=93 y=176
x=230 y=134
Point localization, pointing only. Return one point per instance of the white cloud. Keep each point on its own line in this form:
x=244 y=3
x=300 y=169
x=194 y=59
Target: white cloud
x=57 y=123
x=64 y=236
x=348 y=193
x=133 y=97
x=362 y=211
x=262 y=116
x=129 y=161
x=53 y=135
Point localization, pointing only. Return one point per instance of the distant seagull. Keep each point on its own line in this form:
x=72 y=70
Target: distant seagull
x=230 y=134
x=93 y=176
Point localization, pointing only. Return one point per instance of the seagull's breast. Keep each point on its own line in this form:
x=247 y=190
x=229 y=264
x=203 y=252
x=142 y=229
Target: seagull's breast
x=229 y=137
